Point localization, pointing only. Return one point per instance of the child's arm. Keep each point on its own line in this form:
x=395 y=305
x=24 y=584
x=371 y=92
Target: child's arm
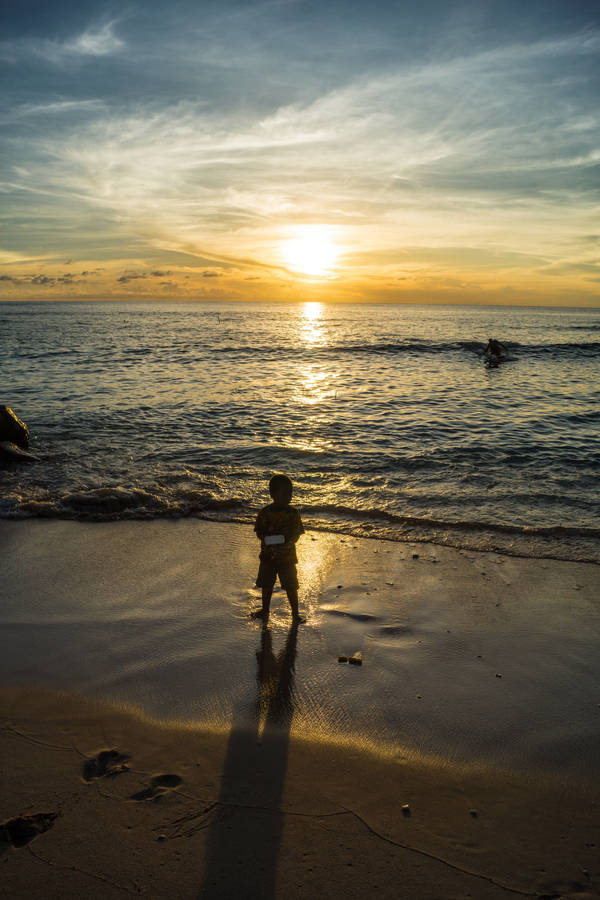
x=295 y=530
x=259 y=527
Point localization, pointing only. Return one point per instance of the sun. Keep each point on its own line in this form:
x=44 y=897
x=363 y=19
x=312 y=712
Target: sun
x=311 y=251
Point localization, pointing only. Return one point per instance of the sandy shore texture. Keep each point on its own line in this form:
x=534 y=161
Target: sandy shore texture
x=159 y=743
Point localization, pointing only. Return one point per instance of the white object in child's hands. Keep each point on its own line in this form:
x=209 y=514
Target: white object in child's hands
x=274 y=539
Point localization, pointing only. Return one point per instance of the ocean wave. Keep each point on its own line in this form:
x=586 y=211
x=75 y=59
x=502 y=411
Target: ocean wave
x=515 y=349
x=571 y=349
x=461 y=525
x=385 y=348
x=192 y=355
x=115 y=503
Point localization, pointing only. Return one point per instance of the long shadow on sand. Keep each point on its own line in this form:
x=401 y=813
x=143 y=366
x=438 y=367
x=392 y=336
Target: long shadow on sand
x=243 y=842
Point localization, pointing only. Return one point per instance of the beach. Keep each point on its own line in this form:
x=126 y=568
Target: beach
x=314 y=278
x=158 y=742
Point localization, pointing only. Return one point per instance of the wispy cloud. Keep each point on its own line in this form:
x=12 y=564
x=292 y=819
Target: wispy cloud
x=99 y=41
x=11 y=258
x=53 y=108
x=96 y=41
x=462 y=133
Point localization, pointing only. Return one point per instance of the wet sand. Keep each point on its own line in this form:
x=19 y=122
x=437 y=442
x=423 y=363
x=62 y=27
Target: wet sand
x=158 y=742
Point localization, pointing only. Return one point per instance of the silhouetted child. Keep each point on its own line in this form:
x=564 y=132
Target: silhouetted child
x=278 y=526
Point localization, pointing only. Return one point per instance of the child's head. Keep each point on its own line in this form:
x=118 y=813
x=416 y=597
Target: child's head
x=281 y=489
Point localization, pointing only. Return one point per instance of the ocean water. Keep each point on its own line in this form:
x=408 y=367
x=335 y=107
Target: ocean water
x=385 y=416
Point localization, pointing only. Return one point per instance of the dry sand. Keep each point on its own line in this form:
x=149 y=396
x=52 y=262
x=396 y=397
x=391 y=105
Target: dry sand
x=275 y=771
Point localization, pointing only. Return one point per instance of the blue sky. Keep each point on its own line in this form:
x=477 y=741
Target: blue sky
x=448 y=152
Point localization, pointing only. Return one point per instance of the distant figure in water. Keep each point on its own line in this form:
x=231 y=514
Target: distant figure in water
x=278 y=526
x=495 y=348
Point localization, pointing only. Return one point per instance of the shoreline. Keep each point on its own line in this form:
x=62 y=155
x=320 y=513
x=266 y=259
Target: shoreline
x=487 y=531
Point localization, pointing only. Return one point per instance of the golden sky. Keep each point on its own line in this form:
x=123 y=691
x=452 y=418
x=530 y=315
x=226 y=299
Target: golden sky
x=281 y=150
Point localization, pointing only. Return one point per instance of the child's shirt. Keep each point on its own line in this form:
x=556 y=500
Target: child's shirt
x=279 y=520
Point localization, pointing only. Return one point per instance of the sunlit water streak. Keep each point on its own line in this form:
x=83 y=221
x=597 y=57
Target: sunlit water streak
x=384 y=415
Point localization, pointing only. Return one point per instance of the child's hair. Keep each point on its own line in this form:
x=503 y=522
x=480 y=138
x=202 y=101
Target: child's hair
x=279 y=481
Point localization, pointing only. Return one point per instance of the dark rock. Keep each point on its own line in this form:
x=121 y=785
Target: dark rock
x=11 y=453
x=12 y=429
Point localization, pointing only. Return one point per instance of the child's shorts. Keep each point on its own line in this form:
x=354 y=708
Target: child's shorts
x=269 y=571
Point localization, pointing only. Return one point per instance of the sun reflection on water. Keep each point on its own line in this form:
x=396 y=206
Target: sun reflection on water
x=315 y=384
x=313 y=329
x=316 y=380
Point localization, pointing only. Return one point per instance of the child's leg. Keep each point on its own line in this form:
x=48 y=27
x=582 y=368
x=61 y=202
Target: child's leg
x=292 y=595
x=266 y=582
x=263 y=612
x=267 y=592
x=289 y=581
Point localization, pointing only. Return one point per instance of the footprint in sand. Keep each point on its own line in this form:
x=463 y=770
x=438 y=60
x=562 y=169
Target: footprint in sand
x=358 y=617
x=557 y=889
x=392 y=635
x=394 y=630
x=107 y=764
x=159 y=786
x=22 y=829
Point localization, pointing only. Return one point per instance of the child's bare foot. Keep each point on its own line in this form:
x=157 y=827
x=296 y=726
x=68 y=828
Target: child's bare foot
x=298 y=620
x=259 y=614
